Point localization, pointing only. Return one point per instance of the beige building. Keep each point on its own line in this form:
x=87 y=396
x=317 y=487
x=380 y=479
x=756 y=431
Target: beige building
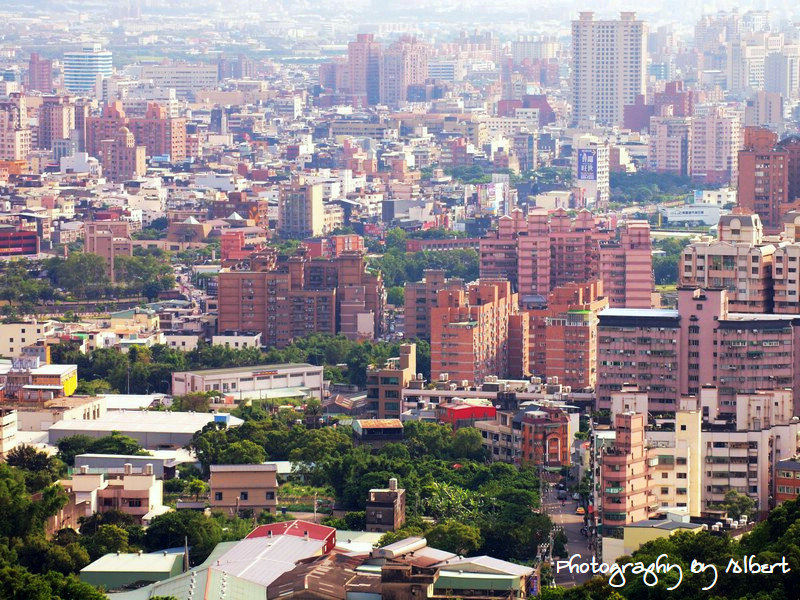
x=608 y=67
x=8 y=431
x=300 y=209
x=136 y=494
x=235 y=488
x=15 y=136
x=108 y=239
x=14 y=336
x=385 y=385
x=740 y=261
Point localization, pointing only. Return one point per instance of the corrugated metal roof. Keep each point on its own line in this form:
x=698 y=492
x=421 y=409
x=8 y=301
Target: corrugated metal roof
x=262 y=560
x=133 y=562
x=267 y=467
x=486 y=564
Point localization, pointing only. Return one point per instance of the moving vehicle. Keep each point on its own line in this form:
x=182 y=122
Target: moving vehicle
x=580 y=511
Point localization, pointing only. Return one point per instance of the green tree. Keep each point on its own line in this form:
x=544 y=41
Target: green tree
x=395 y=295
x=468 y=444
x=69 y=447
x=171 y=529
x=116 y=443
x=197 y=487
x=454 y=537
x=28 y=458
x=244 y=452
x=737 y=504
x=80 y=273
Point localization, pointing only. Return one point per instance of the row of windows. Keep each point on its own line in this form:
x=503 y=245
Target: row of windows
x=244 y=496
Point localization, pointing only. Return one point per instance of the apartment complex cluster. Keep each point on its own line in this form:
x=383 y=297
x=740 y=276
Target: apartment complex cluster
x=276 y=178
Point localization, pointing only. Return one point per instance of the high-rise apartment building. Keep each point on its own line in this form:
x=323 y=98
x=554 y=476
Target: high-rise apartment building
x=626 y=266
x=764 y=178
x=608 y=67
x=543 y=250
x=56 y=120
x=104 y=126
x=84 y=69
x=715 y=143
x=670 y=143
x=365 y=63
x=15 y=136
x=300 y=209
x=108 y=239
x=471 y=331
x=405 y=63
x=122 y=157
x=420 y=299
x=782 y=72
x=626 y=495
x=740 y=261
x=40 y=74
x=764 y=109
x=294 y=297
x=669 y=353
x=159 y=133
x=563 y=335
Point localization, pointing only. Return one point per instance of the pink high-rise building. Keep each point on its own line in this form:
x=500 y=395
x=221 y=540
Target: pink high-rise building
x=405 y=63
x=670 y=143
x=545 y=250
x=669 y=353
x=364 y=59
x=626 y=490
x=626 y=266
x=717 y=137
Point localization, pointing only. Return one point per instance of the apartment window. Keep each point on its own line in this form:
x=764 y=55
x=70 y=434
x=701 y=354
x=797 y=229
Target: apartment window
x=243 y=495
x=135 y=502
x=217 y=496
x=683 y=427
x=681 y=475
x=665 y=476
x=664 y=490
x=270 y=496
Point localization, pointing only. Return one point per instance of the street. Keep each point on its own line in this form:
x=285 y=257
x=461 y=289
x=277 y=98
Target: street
x=566 y=518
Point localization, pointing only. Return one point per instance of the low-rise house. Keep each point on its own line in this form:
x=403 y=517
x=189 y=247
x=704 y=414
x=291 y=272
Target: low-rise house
x=235 y=488
x=120 y=570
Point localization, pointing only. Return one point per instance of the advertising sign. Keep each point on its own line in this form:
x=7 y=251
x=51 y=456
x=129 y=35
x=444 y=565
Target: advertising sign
x=587 y=165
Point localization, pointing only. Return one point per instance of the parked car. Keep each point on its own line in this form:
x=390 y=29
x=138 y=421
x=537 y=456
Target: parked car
x=576 y=496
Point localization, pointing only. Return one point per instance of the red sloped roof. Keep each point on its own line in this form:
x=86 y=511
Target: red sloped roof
x=297 y=528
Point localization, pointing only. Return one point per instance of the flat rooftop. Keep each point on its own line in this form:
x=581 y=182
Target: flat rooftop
x=254 y=368
x=662 y=313
x=145 y=421
x=157 y=562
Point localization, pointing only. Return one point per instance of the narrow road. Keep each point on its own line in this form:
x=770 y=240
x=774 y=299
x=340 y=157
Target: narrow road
x=571 y=523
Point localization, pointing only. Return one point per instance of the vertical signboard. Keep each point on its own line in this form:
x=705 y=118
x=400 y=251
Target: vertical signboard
x=587 y=164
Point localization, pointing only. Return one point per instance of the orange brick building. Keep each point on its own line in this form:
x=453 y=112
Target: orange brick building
x=290 y=298
x=471 y=329
x=787 y=480
x=563 y=335
x=545 y=437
